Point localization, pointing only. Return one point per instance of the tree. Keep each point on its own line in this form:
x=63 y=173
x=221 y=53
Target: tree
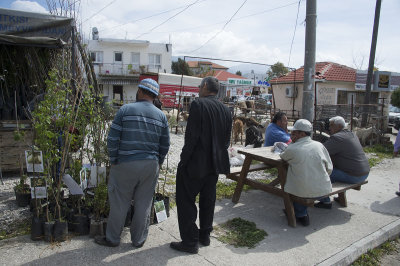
x=238 y=73
x=181 y=67
x=278 y=69
x=395 y=98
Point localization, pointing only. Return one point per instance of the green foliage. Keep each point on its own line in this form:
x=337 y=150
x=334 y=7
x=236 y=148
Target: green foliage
x=226 y=189
x=181 y=67
x=395 y=98
x=373 y=256
x=21 y=186
x=278 y=69
x=100 y=201
x=19 y=135
x=240 y=233
x=239 y=73
x=378 y=152
x=272 y=171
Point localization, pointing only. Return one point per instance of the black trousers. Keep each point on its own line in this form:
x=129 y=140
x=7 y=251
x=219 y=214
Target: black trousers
x=187 y=189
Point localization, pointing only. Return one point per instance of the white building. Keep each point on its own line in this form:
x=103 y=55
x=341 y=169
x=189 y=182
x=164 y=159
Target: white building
x=118 y=64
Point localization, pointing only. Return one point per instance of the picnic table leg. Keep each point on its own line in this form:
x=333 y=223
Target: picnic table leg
x=289 y=210
x=242 y=177
x=343 y=199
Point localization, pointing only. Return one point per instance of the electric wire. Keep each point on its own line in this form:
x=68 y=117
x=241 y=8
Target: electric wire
x=112 y=2
x=221 y=29
x=294 y=33
x=221 y=22
x=151 y=16
x=165 y=21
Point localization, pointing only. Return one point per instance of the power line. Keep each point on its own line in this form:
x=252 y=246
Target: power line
x=112 y=2
x=239 y=18
x=294 y=33
x=168 y=19
x=221 y=29
x=144 y=18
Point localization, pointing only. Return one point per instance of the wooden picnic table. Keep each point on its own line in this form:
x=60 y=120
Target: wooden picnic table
x=268 y=160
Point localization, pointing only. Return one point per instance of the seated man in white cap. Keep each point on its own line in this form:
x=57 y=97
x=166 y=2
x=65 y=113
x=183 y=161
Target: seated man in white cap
x=309 y=168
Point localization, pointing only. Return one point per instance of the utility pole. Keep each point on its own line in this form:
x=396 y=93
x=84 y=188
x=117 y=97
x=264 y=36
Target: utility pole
x=371 y=63
x=307 y=110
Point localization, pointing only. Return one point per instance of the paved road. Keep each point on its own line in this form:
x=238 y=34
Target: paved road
x=335 y=237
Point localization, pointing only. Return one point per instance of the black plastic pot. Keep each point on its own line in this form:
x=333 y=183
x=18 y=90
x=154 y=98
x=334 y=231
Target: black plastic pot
x=81 y=224
x=159 y=197
x=71 y=219
x=96 y=228
x=48 y=228
x=36 y=229
x=60 y=231
x=23 y=199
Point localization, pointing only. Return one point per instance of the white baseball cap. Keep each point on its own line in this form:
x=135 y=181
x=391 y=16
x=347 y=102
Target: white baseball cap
x=302 y=125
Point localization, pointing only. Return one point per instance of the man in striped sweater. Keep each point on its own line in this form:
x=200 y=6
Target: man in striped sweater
x=137 y=144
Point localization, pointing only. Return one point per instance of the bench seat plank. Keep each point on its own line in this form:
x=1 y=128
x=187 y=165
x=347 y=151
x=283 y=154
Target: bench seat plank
x=337 y=188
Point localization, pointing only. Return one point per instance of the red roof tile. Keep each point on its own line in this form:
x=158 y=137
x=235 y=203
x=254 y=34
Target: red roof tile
x=222 y=75
x=324 y=70
x=194 y=64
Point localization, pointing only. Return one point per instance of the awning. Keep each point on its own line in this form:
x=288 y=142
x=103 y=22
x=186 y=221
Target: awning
x=34 y=29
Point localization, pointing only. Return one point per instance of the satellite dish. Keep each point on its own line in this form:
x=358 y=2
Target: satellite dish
x=95 y=33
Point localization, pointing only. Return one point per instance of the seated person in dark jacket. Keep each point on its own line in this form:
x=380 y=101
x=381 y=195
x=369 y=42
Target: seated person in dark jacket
x=350 y=165
x=277 y=130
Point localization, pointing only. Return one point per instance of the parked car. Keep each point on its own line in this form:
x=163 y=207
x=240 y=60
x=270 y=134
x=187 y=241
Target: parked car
x=394 y=116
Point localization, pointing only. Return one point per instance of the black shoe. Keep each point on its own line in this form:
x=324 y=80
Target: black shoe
x=204 y=240
x=398 y=193
x=305 y=220
x=184 y=248
x=323 y=205
x=138 y=246
x=336 y=199
x=102 y=240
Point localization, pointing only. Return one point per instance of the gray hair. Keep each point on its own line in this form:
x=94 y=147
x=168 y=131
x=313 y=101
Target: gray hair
x=338 y=120
x=212 y=84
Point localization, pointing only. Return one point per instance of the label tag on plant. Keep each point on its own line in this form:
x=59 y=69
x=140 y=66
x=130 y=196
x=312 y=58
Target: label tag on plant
x=159 y=208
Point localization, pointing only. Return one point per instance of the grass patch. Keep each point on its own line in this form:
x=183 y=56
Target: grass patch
x=226 y=189
x=271 y=171
x=19 y=228
x=240 y=233
x=373 y=256
x=378 y=153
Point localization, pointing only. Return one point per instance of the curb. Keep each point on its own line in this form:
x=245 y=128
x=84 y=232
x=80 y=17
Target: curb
x=355 y=250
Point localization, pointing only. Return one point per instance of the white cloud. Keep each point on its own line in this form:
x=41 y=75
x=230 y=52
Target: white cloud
x=28 y=6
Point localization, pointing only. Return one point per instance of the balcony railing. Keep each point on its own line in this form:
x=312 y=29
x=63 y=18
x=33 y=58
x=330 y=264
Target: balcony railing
x=123 y=69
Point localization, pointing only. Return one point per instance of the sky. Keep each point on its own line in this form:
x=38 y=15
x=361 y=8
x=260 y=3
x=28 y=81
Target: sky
x=261 y=31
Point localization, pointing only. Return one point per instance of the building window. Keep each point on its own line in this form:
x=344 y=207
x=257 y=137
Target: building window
x=155 y=61
x=96 y=57
x=135 y=60
x=118 y=57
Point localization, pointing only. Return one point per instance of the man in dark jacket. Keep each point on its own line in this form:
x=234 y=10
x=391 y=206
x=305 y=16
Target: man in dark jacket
x=204 y=156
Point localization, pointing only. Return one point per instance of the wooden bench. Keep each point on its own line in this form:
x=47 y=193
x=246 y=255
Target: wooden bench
x=337 y=188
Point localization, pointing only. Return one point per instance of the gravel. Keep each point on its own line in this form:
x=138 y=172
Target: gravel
x=11 y=214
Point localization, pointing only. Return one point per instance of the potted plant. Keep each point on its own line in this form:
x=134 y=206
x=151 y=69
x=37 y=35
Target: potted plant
x=80 y=220
x=22 y=192
x=99 y=209
x=161 y=196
